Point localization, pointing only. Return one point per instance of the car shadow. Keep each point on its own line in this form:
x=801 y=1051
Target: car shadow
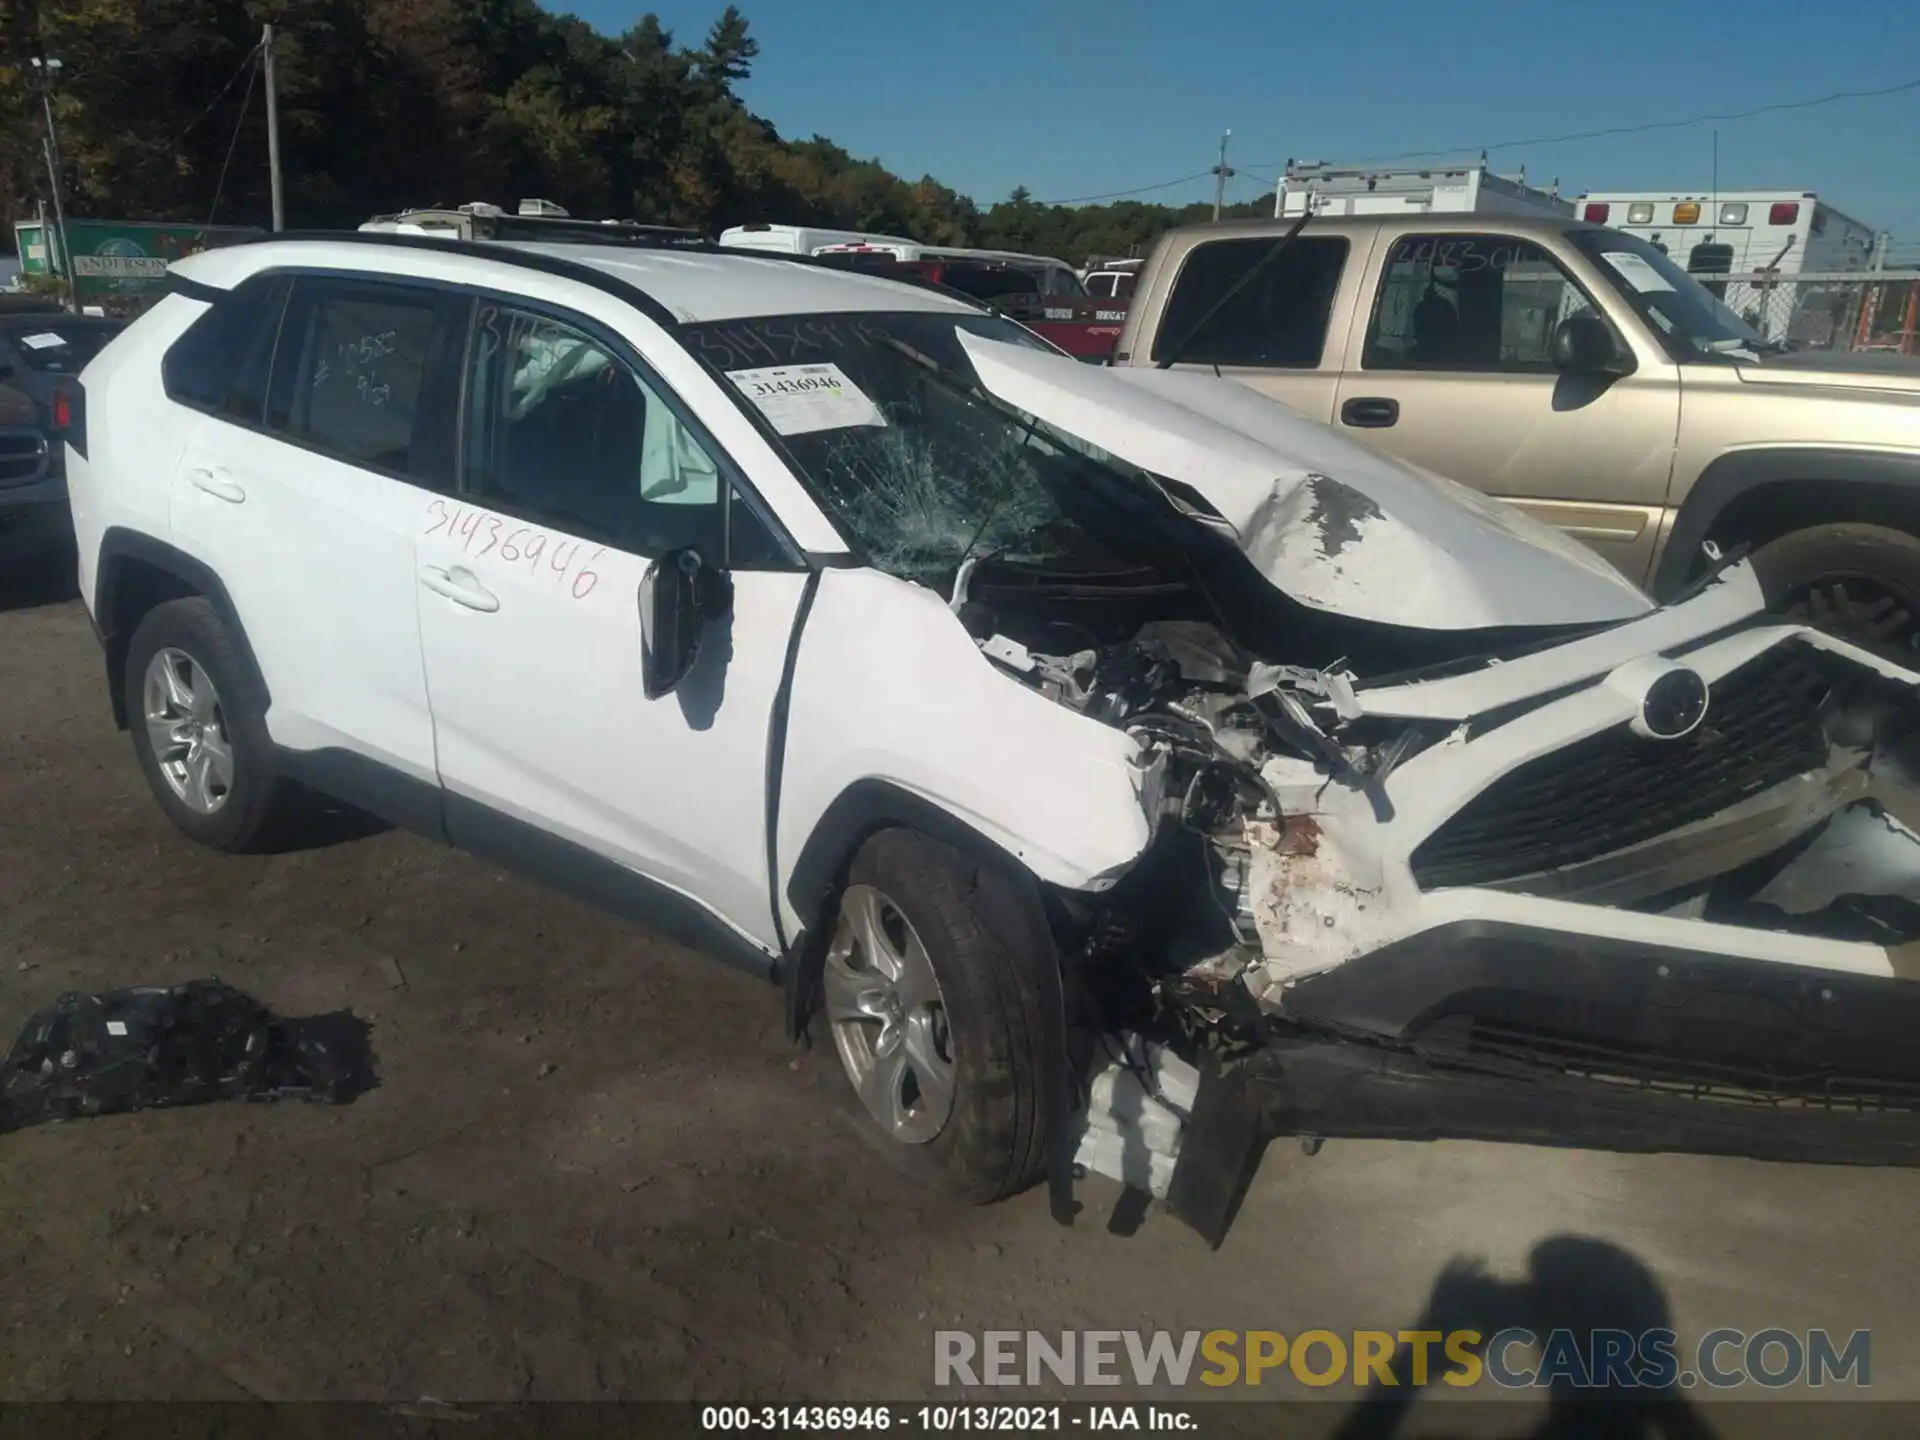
x=323 y=822
x=37 y=579
x=1574 y=1285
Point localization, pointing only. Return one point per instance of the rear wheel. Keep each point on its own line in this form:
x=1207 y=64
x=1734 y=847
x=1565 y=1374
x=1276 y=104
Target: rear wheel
x=1860 y=583
x=937 y=1019
x=200 y=731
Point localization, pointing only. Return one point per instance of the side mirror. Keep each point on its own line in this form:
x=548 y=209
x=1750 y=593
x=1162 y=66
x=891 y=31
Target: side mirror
x=679 y=594
x=6 y=370
x=1583 y=345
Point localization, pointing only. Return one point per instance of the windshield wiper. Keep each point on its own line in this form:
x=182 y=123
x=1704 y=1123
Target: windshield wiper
x=1180 y=346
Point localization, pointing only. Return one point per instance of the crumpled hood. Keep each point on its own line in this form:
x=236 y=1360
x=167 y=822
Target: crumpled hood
x=1335 y=525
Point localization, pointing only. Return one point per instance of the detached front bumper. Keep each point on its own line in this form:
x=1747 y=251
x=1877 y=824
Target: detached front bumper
x=1494 y=1031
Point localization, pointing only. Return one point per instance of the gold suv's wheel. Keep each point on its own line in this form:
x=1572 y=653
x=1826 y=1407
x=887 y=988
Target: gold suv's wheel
x=1860 y=583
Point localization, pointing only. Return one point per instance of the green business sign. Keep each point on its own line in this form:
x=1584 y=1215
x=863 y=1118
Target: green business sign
x=124 y=258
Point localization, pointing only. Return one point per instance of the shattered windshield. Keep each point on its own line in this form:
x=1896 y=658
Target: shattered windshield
x=918 y=464
x=1690 y=321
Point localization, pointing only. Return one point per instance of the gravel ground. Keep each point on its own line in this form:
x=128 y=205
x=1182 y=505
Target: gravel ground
x=595 y=1170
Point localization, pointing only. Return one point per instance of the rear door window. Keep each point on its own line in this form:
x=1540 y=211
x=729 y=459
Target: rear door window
x=363 y=373
x=1277 y=320
x=1711 y=264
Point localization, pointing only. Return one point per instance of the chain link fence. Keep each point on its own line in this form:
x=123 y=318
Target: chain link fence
x=1855 y=311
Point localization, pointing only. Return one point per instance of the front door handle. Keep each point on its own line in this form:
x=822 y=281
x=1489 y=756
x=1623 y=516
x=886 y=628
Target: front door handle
x=1370 y=412
x=460 y=586
x=218 y=484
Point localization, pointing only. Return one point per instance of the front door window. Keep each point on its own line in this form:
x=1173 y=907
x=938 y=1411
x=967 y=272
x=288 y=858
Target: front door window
x=1469 y=302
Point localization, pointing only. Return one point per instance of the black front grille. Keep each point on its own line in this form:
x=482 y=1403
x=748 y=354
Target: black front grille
x=23 y=456
x=1614 y=790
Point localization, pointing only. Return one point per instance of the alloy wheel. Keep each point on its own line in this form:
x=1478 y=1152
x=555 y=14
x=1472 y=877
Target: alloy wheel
x=188 y=731
x=889 y=1018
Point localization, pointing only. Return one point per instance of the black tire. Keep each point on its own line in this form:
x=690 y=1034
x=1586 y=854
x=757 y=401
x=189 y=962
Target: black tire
x=259 y=803
x=1860 y=583
x=1001 y=998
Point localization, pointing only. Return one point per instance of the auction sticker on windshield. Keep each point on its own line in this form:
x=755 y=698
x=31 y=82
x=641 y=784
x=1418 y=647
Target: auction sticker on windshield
x=45 y=340
x=800 y=399
x=1636 y=271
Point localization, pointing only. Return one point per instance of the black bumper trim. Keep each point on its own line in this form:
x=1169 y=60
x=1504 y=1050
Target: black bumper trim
x=1484 y=1030
x=1329 y=1088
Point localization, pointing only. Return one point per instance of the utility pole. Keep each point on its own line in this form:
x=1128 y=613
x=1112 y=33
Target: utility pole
x=1220 y=176
x=46 y=68
x=273 y=130
x=1713 y=185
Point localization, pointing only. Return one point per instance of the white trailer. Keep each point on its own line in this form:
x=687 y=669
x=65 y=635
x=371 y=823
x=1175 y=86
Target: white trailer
x=800 y=239
x=1745 y=245
x=1465 y=188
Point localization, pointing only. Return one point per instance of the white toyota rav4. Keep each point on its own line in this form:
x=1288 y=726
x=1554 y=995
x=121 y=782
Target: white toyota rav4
x=997 y=705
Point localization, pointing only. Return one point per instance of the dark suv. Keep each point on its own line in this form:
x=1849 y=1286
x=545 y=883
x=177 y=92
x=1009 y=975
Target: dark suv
x=41 y=356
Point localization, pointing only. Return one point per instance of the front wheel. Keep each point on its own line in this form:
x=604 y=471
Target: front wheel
x=1860 y=583
x=937 y=1018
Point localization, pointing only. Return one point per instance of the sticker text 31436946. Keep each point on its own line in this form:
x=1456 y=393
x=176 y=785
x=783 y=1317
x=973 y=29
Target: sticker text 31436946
x=567 y=563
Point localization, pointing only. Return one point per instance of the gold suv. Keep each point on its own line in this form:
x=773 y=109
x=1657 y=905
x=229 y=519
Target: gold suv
x=1578 y=373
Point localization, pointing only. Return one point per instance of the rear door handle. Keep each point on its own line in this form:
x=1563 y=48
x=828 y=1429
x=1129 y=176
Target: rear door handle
x=218 y=484
x=460 y=586
x=1370 y=412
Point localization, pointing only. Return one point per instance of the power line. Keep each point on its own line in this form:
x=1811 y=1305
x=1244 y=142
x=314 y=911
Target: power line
x=220 y=94
x=1138 y=190
x=240 y=124
x=1611 y=130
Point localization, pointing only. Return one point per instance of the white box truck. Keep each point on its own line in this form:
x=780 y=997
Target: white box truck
x=1464 y=188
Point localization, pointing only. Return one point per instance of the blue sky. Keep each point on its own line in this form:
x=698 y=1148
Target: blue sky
x=1070 y=97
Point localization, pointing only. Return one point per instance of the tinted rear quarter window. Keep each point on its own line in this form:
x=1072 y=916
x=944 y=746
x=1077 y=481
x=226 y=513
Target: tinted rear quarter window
x=219 y=364
x=1277 y=320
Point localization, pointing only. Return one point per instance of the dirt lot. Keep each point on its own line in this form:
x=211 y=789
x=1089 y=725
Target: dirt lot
x=593 y=1169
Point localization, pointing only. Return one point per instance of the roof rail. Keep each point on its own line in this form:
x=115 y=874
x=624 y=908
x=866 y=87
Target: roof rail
x=515 y=253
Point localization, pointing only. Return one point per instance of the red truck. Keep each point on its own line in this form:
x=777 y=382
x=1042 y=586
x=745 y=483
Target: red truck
x=1085 y=327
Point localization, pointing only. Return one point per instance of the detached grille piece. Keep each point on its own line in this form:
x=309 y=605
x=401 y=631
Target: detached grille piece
x=1614 y=789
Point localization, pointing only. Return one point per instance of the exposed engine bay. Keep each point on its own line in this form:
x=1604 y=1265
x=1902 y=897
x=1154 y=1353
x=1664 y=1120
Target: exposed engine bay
x=1745 y=803
x=1217 y=730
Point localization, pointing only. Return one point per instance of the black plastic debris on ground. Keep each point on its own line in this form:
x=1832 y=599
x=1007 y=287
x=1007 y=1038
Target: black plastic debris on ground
x=190 y=1044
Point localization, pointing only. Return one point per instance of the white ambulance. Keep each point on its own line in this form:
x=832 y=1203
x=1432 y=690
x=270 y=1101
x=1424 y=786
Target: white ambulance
x=1747 y=245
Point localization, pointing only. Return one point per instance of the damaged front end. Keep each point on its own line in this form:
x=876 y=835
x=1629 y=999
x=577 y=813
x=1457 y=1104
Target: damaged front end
x=1653 y=887
x=1450 y=831
x=1455 y=834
